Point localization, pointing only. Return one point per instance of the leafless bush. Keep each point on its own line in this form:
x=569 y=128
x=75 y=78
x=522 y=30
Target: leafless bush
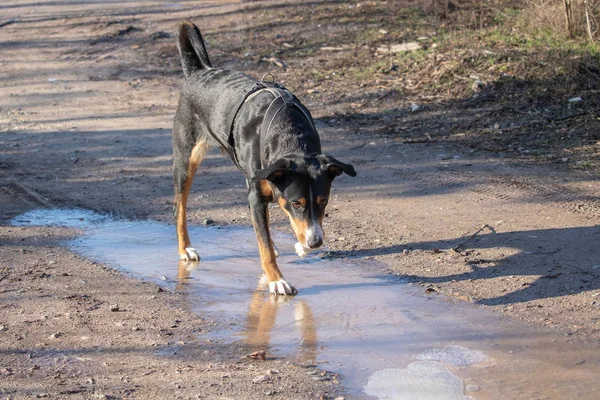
x=563 y=18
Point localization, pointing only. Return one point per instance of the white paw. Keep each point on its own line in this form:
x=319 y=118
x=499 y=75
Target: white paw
x=282 y=287
x=190 y=255
x=276 y=250
x=301 y=250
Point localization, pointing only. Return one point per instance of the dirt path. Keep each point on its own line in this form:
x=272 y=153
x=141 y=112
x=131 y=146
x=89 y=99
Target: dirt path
x=89 y=91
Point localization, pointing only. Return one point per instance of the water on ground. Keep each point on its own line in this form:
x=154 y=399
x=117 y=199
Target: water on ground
x=386 y=339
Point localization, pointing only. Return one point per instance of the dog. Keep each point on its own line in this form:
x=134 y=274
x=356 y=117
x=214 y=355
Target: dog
x=270 y=137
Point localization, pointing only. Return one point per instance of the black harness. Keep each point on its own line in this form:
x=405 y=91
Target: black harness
x=283 y=99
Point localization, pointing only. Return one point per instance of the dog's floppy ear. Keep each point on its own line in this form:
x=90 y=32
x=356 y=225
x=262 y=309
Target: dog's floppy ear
x=273 y=172
x=335 y=167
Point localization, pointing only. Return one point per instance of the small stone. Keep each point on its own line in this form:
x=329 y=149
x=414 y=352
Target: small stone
x=261 y=379
x=207 y=221
x=114 y=308
x=472 y=388
x=55 y=335
x=575 y=99
x=3 y=328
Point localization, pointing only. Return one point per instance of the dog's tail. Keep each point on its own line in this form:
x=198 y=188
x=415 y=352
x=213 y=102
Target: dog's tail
x=192 y=49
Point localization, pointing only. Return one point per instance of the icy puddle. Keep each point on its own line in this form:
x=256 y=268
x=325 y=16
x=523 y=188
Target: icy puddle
x=387 y=340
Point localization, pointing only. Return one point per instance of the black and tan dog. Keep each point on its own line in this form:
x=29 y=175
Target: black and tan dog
x=271 y=138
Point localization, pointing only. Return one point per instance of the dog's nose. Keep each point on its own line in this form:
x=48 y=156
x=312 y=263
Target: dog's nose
x=314 y=241
x=314 y=236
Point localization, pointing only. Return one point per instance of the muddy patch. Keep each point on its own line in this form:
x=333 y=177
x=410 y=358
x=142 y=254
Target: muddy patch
x=376 y=332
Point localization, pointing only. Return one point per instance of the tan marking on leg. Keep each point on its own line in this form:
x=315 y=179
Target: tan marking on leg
x=268 y=261
x=265 y=190
x=196 y=157
x=267 y=256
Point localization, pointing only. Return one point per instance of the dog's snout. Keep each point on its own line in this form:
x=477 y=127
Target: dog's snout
x=314 y=242
x=314 y=237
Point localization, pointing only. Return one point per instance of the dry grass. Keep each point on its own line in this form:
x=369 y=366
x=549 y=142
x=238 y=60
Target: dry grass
x=548 y=16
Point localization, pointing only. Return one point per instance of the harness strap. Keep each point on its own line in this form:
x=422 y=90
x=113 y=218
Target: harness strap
x=244 y=96
x=283 y=98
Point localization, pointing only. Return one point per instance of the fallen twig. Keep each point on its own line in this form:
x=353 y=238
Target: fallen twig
x=455 y=248
x=275 y=61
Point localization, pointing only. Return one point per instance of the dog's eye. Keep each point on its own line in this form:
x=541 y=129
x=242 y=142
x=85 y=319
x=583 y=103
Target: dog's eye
x=296 y=205
x=323 y=203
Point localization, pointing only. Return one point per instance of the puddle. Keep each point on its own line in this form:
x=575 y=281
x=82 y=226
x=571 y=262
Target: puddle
x=386 y=339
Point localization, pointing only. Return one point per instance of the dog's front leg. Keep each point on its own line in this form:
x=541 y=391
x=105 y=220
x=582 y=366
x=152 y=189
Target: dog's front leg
x=260 y=219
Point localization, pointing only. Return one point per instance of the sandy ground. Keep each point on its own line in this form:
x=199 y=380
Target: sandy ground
x=89 y=90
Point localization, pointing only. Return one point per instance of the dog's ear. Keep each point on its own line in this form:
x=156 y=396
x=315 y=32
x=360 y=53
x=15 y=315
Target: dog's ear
x=334 y=167
x=273 y=172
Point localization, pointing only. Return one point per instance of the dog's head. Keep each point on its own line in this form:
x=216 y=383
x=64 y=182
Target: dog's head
x=301 y=186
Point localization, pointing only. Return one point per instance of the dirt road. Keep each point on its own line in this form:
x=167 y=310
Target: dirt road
x=89 y=90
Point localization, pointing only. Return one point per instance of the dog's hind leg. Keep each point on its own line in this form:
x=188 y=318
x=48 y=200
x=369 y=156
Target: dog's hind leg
x=184 y=168
x=260 y=220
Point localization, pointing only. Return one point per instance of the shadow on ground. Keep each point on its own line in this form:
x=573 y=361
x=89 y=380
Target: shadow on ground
x=547 y=253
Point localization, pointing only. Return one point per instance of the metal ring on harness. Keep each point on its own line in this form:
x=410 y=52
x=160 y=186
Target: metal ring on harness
x=262 y=80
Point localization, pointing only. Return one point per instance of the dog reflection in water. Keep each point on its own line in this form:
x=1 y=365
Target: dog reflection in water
x=262 y=315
